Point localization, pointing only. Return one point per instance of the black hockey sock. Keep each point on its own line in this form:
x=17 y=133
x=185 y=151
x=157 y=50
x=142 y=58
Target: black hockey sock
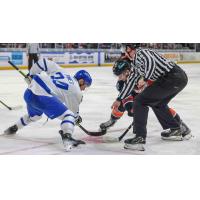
x=112 y=117
x=177 y=118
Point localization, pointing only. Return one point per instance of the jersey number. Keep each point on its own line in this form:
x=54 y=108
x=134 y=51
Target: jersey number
x=57 y=80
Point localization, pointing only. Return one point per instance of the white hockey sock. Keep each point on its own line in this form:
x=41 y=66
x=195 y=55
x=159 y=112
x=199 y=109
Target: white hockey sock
x=68 y=122
x=26 y=119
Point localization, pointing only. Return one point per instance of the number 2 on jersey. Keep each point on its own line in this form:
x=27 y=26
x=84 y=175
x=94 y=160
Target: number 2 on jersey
x=57 y=80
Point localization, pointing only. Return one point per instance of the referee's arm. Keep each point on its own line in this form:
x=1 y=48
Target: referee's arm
x=149 y=65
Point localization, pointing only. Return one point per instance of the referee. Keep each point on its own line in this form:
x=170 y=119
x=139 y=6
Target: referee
x=168 y=80
x=33 y=51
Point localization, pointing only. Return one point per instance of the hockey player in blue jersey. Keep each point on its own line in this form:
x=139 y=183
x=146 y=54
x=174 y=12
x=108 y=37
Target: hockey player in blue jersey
x=56 y=96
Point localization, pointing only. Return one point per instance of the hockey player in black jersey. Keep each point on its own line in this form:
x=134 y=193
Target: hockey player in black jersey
x=125 y=106
x=127 y=103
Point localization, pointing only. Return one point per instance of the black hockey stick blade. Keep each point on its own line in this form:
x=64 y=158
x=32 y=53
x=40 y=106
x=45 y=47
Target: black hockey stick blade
x=92 y=133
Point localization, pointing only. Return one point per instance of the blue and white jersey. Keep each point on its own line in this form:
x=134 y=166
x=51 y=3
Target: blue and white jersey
x=61 y=85
x=45 y=65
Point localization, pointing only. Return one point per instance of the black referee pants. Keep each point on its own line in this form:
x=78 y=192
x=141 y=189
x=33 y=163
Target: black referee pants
x=32 y=57
x=157 y=96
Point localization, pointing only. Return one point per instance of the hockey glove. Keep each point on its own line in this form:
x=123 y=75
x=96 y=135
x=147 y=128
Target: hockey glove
x=28 y=80
x=78 y=119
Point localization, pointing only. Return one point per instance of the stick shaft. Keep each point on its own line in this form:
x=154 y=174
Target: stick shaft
x=14 y=66
x=82 y=128
x=125 y=132
x=5 y=105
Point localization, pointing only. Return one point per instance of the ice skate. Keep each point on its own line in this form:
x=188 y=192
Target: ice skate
x=68 y=141
x=172 y=134
x=186 y=131
x=136 y=143
x=11 y=130
x=104 y=126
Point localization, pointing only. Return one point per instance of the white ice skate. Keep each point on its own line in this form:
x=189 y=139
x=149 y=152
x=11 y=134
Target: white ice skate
x=11 y=130
x=69 y=142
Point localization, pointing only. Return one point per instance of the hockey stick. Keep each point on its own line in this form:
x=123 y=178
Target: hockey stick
x=125 y=132
x=91 y=133
x=17 y=68
x=106 y=138
x=10 y=108
x=118 y=139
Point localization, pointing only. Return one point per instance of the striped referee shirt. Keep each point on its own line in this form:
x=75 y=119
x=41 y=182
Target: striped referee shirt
x=147 y=64
x=151 y=65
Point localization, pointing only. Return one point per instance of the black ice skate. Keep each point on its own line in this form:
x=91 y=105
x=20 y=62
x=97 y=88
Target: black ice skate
x=104 y=126
x=136 y=143
x=186 y=132
x=172 y=134
x=68 y=141
x=11 y=130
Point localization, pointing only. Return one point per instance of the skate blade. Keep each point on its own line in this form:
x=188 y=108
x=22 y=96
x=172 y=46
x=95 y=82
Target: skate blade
x=173 y=138
x=68 y=148
x=135 y=147
x=188 y=136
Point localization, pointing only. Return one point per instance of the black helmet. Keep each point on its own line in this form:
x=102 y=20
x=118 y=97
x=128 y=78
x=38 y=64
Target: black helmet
x=132 y=45
x=120 y=66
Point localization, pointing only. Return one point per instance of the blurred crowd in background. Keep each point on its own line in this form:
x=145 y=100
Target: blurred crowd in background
x=164 y=46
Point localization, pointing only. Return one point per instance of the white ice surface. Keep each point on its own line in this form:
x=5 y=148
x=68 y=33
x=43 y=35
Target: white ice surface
x=95 y=109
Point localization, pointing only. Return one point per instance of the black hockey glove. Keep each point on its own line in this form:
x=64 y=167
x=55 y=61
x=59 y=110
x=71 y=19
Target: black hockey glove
x=78 y=120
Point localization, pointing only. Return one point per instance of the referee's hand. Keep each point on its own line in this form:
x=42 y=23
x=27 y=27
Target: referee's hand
x=140 y=86
x=141 y=83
